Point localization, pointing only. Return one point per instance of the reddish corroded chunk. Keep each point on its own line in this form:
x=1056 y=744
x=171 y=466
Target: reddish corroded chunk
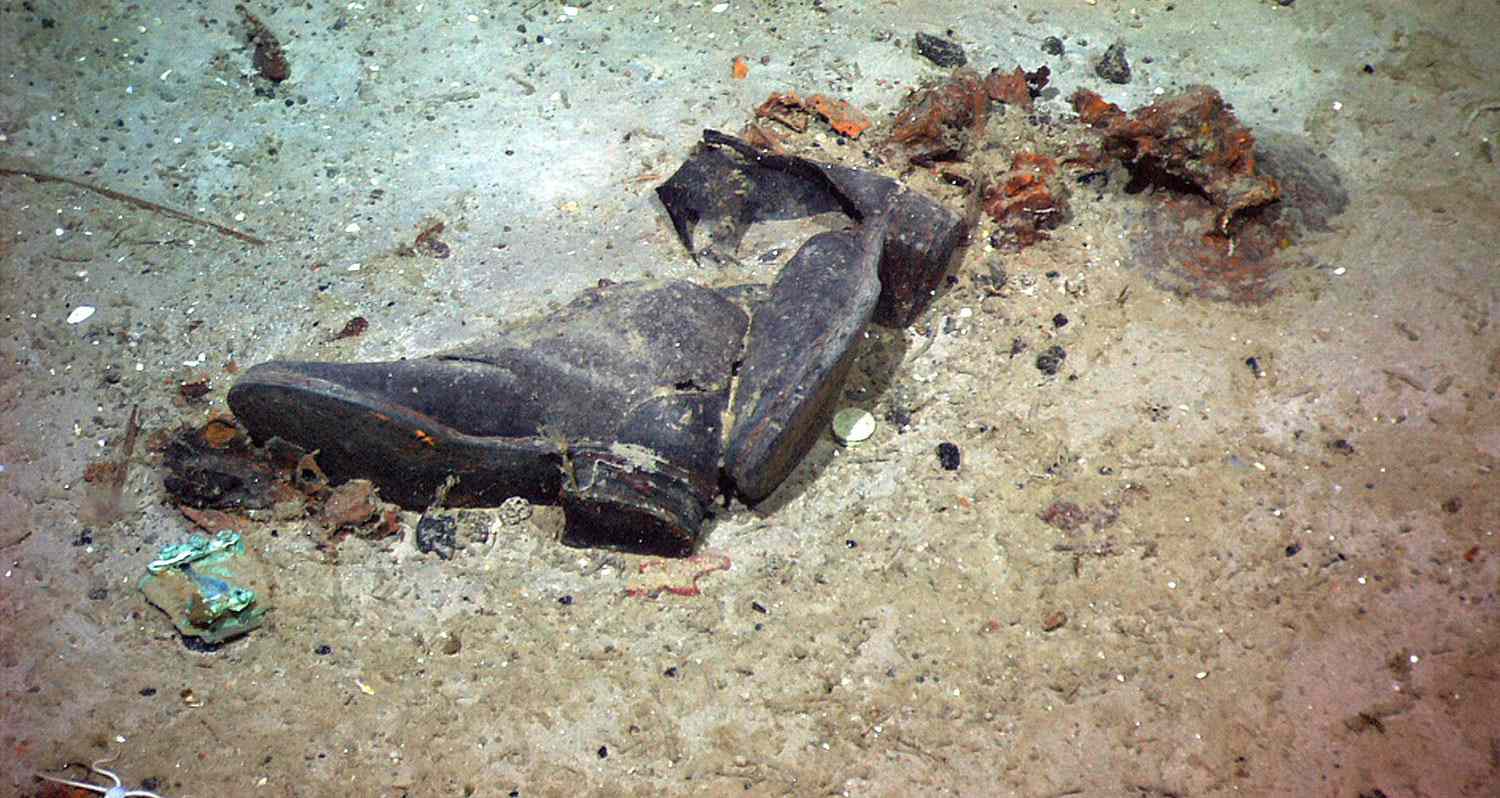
x=841 y=116
x=1193 y=136
x=791 y=110
x=962 y=102
x=1027 y=201
x=1011 y=88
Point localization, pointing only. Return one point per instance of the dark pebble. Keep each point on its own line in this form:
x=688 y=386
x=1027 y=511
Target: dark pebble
x=323 y=650
x=670 y=673
x=1049 y=361
x=1291 y=551
x=100 y=594
x=1052 y=46
x=147 y=692
x=997 y=276
x=1253 y=363
x=566 y=601
x=437 y=534
x=940 y=51
x=1094 y=179
x=851 y=543
x=1112 y=66
x=604 y=752
x=949 y=456
x=759 y=607
x=1453 y=505
x=1059 y=321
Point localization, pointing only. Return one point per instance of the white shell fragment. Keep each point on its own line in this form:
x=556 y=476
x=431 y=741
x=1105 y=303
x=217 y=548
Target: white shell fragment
x=852 y=425
x=80 y=314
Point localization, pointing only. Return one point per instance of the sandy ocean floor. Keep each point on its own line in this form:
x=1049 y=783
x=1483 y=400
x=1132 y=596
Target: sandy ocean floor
x=1228 y=548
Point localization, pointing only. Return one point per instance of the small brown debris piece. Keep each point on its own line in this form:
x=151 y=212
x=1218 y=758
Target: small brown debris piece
x=791 y=110
x=222 y=432
x=1192 y=136
x=1026 y=201
x=1069 y=516
x=1011 y=88
x=1064 y=515
x=351 y=504
x=194 y=389
x=390 y=523
x=1054 y=621
x=212 y=521
x=785 y=108
x=740 y=68
x=308 y=476
x=960 y=106
x=269 y=59
x=353 y=328
x=676 y=576
x=427 y=242
x=763 y=139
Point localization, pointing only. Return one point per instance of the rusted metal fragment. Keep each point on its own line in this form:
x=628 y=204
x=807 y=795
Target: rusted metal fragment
x=1193 y=137
x=1176 y=243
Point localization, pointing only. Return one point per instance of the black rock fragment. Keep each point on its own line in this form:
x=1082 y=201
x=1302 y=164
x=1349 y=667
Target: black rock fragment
x=949 y=456
x=1112 y=65
x=1050 y=360
x=437 y=534
x=940 y=51
x=1052 y=45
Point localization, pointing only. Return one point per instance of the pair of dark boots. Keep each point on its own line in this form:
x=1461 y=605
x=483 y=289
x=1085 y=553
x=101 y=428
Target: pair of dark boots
x=637 y=404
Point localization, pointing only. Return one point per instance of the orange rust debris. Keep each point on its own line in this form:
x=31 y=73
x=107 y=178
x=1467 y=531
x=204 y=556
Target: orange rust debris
x=1010 y=88
x=740 y=68
x=840 y=115
x=221 y=431
x=1193 y=136
x=791 y=110
x=214 y=520
x=1026 y=201
x=962 y=103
